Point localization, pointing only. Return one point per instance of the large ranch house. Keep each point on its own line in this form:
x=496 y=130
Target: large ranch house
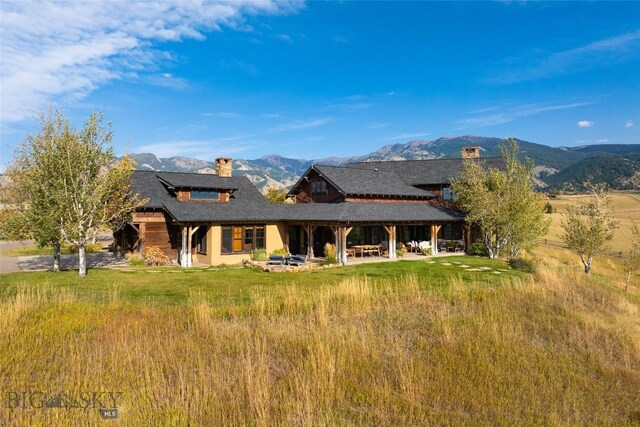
x=365 y=209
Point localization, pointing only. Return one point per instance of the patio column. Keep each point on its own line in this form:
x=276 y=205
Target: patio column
x=344 y=232
x=191 y=231
x=183 y=248
x=391 y=231
x=337 y=231
x=308 y=229
x=434 y=238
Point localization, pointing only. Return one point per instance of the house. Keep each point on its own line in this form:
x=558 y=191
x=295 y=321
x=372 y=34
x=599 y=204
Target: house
x=373 y=206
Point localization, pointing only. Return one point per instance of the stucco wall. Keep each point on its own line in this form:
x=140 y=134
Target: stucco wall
x=274 y=234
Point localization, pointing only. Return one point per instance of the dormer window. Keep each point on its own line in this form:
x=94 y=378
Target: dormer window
x=447 y=194
x=204 y=195
x=318 y=187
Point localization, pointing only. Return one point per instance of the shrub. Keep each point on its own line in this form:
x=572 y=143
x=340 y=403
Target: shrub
x=330 y=253
x=281 y=252
x=426 y=250
x=400 y=252
x=548 y=208
x=135 y=260
x=259 y=255
x=89 y=248
x=523 y=264
x=153 y=255
x=477 y=249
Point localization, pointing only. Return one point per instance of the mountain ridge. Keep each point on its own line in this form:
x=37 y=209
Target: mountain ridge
x=280 y=171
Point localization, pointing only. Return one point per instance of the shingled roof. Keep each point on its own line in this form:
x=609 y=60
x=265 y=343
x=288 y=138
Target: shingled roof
x=245 y=204
x=426 y=172
x=367 y=182
x=370 y=212
x=196 y=180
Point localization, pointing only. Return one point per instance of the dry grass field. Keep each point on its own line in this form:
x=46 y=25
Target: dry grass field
x=554 y=348
x=627 y=208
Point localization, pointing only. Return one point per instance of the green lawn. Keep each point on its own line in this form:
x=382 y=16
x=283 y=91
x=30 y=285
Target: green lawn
x=162 y=286
x=35 y=250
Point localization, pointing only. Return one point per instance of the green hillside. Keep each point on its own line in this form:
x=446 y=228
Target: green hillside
x=619 y=172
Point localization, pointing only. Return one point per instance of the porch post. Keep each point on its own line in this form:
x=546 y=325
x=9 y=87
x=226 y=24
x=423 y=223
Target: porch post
x=191 y=232
x=344 y=232
x=183 y=249
x=286 y=238
x=434 y=238
x=309 y=230
x=391 y=232
x=338 y=242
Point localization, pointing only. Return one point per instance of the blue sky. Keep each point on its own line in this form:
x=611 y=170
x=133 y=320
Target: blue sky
x=318 y=79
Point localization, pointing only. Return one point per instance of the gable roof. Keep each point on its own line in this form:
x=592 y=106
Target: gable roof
x=196 y=180
x=245 y=204
x=366 y=181
x=426 y=172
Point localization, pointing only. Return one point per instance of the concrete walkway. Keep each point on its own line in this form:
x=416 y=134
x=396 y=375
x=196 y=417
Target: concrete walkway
x=9 y=264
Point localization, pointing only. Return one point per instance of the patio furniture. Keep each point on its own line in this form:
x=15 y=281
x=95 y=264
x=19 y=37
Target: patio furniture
x=295 y=260
x=275 y=260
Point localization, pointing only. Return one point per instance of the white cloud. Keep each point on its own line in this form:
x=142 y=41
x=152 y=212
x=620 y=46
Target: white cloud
x=223 y=115
x=378 y=125
x=283 y=37
x=199 y=149
x=68 y=49
x=405 y=136
x=513 y=114
x=612 y=50
x=585 y=124
x=299 y=125
x=629 y=124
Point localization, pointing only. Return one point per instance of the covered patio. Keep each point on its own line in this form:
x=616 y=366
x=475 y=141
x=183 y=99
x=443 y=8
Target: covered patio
x=369 y=230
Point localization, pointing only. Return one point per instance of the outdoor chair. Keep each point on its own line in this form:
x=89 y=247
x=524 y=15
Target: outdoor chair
x=275 y=260
x=296 y=260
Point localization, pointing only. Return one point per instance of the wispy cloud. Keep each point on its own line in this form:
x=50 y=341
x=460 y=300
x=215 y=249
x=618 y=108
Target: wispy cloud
x=405 y=136
x=351 y=106
x=339 y=38
x=585 y=124
x=600 y=53
x=199 y=149
x=283 y=37
x=67 y=50
x=223 y=115
x=628 y=124
x=299 y=125
x=514 y=114
x=378 y=125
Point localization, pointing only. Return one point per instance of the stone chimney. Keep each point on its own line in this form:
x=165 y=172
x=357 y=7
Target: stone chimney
x=470 y=152
x=224 y=166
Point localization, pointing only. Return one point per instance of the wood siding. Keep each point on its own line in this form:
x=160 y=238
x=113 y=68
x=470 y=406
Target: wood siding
x=304 y=194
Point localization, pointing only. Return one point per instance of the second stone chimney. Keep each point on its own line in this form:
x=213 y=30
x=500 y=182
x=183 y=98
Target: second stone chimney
x=224 y=166
x=470 y=152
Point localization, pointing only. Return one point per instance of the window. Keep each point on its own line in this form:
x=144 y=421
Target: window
x=204 y=195
x=447 y=193
x=201 y=239
x=242 y=238
x=318 y=187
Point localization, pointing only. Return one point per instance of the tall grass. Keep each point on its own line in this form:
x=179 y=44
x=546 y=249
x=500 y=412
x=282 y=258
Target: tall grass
x=556 y=349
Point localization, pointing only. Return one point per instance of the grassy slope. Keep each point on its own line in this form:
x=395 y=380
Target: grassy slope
x=387 y=344
x=627 y=208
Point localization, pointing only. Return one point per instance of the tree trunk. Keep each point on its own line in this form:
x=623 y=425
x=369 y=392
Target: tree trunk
x=95 y=236
x=628 y=280
x=587 y=266
x=56 y=256
x=82 y=260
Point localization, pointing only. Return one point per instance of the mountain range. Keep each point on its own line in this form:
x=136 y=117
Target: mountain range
x=562 y=168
